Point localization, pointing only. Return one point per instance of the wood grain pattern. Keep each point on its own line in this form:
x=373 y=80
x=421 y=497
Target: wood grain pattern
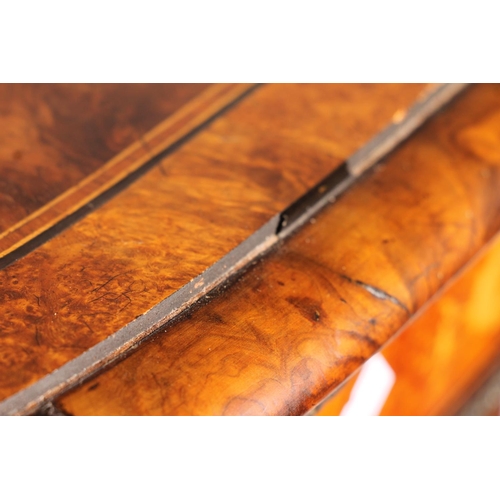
x=442 y=357
x=55 y=139
x=180 y=218
x=306 y=317
x=52 y=136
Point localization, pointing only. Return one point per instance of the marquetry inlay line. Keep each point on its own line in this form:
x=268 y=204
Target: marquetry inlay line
x=192 y=115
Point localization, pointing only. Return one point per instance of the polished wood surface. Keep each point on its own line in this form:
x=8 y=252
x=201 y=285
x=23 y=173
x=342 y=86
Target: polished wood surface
x=53 y=136
x=301 y=321
x=441 y=358
x=63 y=145
x=190 y=210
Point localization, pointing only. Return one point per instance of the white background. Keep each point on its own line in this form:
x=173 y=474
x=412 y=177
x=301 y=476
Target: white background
x=215 y=41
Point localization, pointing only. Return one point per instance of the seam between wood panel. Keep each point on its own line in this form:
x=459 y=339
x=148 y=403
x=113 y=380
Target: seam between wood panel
x=279 y=227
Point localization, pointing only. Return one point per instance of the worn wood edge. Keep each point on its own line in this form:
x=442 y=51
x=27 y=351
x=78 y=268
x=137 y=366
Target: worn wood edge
x=342 y=178
x=67 y=376
x=29 y=400
x=197 y=112
x=431 y=101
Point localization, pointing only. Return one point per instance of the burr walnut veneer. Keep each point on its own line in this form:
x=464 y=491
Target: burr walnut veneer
x=190 y=209
x=223 y=160
x=304 y=318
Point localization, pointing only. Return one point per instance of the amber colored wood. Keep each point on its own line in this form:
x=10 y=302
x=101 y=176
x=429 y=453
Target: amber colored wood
x=55 y=139
x=442 y=357
x=295 y=326
x=181 y=217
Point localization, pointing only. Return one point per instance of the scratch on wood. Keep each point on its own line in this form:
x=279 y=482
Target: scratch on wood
x=377 y=292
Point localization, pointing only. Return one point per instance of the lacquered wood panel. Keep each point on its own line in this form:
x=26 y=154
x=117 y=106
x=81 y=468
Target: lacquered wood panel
x=446 y=353
x=180 y=218
x=305 y=318
x=63 y=145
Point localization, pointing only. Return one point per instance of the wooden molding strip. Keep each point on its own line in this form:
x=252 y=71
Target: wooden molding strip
x=190 y=117
x=85 y=365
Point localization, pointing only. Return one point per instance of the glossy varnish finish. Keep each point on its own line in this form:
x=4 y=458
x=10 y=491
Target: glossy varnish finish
x=53 y=136
x=441 y=357
x=181 y=217
x=302 y=320
x=63 y=145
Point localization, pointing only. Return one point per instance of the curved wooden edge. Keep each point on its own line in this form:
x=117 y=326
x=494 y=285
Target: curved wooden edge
x=30 y=399
x=441 y=356
x=198 y=111
x=302 y=321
